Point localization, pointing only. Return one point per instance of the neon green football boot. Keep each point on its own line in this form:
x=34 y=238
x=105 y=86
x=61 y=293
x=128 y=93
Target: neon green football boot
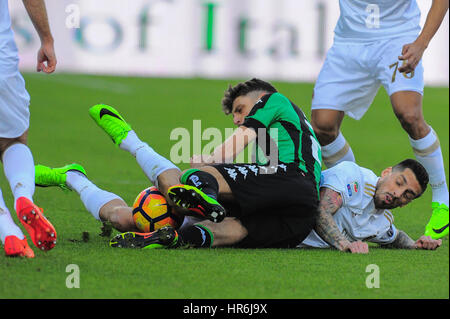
x=437 y=227
x=46 y=176
x=196 y=202
x=110 y=121
x=165 y=237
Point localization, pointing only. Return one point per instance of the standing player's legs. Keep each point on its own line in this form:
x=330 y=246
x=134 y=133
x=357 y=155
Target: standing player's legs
x=344 y=87
x=18 y=166
x=17 y=159
x=406 y=91
x=424 y=141
x=335 y=148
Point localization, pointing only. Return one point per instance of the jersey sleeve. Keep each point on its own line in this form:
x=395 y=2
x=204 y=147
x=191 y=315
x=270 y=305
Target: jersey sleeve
x=345 y=179
x=386 y=237
x=266 y=111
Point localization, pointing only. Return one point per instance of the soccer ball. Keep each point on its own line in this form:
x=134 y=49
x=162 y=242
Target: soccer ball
x=151 y=212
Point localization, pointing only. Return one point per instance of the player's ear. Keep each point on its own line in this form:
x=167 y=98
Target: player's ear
x=386 y=171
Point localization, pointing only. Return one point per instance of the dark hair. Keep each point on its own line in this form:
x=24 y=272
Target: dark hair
x=244 y=88
x=418 y=170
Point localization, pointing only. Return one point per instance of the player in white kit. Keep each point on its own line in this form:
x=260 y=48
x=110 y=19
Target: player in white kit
x=16 y=157
x=355 y=207
x=381 y=43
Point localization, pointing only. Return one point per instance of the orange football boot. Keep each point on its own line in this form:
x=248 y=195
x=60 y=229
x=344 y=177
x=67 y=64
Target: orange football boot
x=17 y=247
x=41 y=231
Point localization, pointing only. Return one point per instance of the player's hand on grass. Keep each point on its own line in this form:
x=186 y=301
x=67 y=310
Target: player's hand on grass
x=411 y=55
x=426 y=242
x=357 y=247
x=46 y=58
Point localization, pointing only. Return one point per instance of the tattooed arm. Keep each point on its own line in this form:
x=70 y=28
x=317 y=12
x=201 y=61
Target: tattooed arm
x=326 y=228
x=403 y=241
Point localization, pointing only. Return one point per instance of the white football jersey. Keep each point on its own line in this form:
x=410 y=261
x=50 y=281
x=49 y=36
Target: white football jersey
x=357 y=219
x=8 y=47
x=363 y=21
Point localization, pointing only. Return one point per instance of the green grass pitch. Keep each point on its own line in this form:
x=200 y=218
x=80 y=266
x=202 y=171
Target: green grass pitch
x=61 y=132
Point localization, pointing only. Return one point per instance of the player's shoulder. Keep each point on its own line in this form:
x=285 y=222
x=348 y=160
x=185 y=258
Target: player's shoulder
x=275 y=99
x=348 y=176
x=344 y=169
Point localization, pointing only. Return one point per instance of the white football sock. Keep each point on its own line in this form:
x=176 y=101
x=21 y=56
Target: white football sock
x=337 y=151
x=18 y=165
x=151 y=162
x=428 y=152
x=7 y=225
x=92 y=197
x=131 y=143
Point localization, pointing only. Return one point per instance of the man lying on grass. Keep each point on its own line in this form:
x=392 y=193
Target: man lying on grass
x=273 y=201
x=353 y=209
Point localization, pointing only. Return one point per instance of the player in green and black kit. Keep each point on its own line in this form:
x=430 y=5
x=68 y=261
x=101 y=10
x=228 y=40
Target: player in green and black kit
x=269 y=203
x=278 y=195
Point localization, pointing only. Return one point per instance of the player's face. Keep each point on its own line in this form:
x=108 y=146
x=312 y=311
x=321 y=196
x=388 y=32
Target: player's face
x=242 y=106
x=396 y=188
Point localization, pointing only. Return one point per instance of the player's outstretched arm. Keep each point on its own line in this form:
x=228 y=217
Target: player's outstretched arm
x=413 y=52
x=403 y=241
x=46 y=54
x=228 y=150
x=326 y=228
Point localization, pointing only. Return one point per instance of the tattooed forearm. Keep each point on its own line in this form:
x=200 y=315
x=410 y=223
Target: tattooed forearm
x=326 y=228
x=403 y=241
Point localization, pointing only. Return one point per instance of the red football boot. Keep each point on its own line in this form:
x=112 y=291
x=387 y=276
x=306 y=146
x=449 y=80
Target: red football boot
x=17 y=247
x=41 y=231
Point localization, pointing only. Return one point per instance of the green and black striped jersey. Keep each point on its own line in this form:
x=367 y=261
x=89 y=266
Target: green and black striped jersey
x=279 y=122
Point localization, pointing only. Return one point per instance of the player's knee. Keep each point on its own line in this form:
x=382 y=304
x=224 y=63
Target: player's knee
x=414 y=124
x=325 y=132
x=228 y=232
x=5 y=143
x=121 y=218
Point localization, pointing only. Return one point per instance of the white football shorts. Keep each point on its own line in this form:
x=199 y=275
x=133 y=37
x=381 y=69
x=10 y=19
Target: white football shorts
x=352 y=74
x=14 y=104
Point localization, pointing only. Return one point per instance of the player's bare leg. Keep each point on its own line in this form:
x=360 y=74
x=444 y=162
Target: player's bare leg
x=229 y=232
x=407 y=106
x=118 y=214
x=326 y=124
x=167 y=179
x=7 y=142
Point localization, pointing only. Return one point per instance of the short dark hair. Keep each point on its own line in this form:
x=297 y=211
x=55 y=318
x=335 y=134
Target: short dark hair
x=244 y=88
x=418 y=170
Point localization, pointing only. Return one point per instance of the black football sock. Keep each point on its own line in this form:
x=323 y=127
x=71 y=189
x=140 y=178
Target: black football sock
x=204 y=181
x=197 y=236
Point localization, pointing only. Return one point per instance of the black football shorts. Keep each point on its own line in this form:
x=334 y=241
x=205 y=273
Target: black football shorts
x=277 y=204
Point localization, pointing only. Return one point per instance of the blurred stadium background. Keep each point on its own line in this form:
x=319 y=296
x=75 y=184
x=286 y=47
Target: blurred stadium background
x=283 y=40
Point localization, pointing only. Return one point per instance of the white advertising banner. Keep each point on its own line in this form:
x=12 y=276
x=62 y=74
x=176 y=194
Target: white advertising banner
x=272 y=39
